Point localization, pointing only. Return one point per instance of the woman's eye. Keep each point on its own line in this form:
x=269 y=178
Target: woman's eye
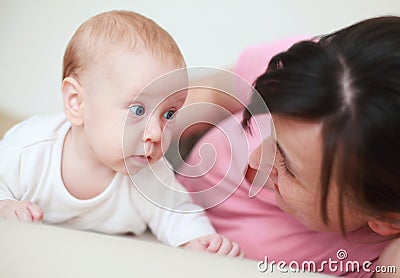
x=169 y=114
x=138 y=110
x=282 y=164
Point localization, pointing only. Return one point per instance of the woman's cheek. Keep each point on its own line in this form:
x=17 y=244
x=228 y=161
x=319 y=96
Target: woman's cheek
x=282 y=182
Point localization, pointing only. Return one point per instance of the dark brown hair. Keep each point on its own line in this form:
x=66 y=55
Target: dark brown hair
x=350 y=82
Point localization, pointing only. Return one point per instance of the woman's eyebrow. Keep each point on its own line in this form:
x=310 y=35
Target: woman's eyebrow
x=289 y=165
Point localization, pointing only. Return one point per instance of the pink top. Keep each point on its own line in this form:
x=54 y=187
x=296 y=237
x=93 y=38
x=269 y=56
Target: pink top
x=260 y=227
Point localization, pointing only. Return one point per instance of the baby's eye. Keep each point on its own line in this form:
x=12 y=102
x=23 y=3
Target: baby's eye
x=169 y=115
x=138 y=110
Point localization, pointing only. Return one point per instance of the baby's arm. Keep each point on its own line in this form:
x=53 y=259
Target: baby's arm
x=10 y=207
x=20 y=210
x=215 y=243
x=16 y=166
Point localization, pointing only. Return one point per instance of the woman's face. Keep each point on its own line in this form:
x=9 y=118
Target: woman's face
x=296 y=181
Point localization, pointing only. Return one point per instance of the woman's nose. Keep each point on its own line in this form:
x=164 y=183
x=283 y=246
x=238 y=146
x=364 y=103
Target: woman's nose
x=274 y=175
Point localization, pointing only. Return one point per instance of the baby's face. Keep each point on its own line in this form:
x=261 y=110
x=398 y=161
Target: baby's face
x=128 y=118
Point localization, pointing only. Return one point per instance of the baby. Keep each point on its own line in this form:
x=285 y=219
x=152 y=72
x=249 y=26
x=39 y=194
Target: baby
x=79 y=169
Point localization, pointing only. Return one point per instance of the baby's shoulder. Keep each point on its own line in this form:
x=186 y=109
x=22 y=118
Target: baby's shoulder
x=34 y=130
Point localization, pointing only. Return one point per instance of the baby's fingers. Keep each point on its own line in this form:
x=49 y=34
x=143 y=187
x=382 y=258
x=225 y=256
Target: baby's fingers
x=215 y=244
x=225 y=247
x=8 y=210
x=35 y=211
x=235 y=251
x=9 y=215
x=23 y=214
x=20 y=210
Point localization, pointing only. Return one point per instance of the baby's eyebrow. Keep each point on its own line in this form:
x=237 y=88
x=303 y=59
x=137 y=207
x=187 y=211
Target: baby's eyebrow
x=288 y=163
x=176 y=98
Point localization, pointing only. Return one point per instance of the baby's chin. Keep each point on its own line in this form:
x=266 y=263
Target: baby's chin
x=132 y=165
x=131 y=171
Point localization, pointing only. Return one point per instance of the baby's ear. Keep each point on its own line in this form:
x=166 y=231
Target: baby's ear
x=73 y=100
x=386 y=228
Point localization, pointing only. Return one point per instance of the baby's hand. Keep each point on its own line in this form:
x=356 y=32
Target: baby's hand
x=215 y=243
x=20 y=210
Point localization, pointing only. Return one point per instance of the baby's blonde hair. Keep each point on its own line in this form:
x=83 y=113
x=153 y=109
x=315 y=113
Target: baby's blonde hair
x=117 y=29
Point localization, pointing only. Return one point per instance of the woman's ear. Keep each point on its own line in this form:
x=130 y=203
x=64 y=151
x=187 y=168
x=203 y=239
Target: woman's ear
x=385 y=228
x=73 y=100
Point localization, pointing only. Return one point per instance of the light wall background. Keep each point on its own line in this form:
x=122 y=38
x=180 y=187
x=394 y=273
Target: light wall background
x=34 y=33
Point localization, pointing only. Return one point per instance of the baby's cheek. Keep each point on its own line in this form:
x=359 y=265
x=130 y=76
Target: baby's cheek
x=157 y=157
x=166 y=139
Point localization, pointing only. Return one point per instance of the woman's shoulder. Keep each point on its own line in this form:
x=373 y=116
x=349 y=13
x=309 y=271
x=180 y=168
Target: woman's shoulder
x=389 y=260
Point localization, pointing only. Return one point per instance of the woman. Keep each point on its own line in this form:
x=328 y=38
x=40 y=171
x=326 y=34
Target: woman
x=333 y=190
